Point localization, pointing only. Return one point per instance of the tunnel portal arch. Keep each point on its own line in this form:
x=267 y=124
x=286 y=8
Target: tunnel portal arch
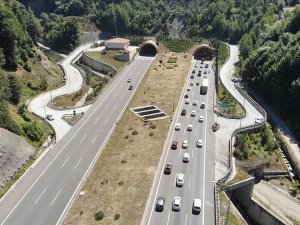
x=204 y=52
x=149 y=48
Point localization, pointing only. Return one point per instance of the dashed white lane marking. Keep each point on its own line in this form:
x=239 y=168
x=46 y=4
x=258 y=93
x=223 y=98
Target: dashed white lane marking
x=105 y=122
x=96 y=120
x=190 y=182
x=82 y=138
x=40 y=195
x=115 y=107
x=77 y=163
x=107 y=106
x=168 y=218
x=175 y=180
x=94 y=139
x=185 y=218
x=55 y=197
x=65 y=162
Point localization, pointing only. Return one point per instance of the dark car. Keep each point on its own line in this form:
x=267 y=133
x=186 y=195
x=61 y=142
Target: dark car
x=168 y=168
x=197 y=83
x=130 y=87
x=160 y=204
x=193 y=71
x=174 y=145
x=186 y=96
x=183 y=112
x=192 y=77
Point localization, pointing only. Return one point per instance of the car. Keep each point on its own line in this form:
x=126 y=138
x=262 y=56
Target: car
x=185 y=144
x=206 y=65
x=205 y=72
x=160 y=202
x=188 y=89
x=195 y=102
x=177 y=126
x=202 y=62
x=186 y=157
x=199 y=143
x=176 y=204
x=168 y=168
x=180 y=180
x=174 y=145
x=197 y=84
x=192 y=77
x=130 y=87
x=49 y=117
x=201 y=118
x=193 y=113
x=199 y=73
x=183 y=112
x=190 y=127
x=193 y=71
x=258 y=119
x=201 y=66
x=192 y=84
x=186 y=96
x=202 y=106
x=129 y=80
x=205 y=77
x=234 y=80
x=197 y=205
x=187 y=101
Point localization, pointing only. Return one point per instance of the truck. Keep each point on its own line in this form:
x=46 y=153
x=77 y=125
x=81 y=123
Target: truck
x=204 y=86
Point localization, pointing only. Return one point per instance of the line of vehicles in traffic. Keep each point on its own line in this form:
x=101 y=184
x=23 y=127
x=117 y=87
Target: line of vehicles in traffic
x=180 y=177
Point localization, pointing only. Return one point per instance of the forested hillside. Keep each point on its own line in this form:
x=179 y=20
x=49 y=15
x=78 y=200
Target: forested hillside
x=270 y=63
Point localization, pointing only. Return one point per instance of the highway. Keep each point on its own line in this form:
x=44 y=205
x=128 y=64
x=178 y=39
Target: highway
x=47 y=192
x=199 y=171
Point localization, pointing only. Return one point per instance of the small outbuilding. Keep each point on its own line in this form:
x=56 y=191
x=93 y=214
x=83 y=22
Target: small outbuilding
x=117 y=43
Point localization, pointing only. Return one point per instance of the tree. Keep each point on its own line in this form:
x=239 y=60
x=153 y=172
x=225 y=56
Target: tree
x=14 y=89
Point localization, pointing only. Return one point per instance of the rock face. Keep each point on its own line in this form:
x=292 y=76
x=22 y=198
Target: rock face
x=14 y=151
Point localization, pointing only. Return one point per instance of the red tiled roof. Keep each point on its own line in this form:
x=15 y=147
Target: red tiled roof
x=118 y=40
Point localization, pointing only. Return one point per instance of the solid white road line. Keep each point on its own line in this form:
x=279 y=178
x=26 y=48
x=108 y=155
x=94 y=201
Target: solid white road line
x=168 y=218
x=106 y=106
x=185 y=218
x=65 y=162
x=40 y=196
x=55 y=197
x=83 y=138
x=96 y=120
x=94 y=139
x=77 y=163
x=190 y=182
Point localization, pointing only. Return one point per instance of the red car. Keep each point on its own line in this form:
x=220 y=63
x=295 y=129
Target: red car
x=174 y=145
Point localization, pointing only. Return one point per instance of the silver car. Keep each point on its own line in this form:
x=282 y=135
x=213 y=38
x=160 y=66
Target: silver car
x=176 y=205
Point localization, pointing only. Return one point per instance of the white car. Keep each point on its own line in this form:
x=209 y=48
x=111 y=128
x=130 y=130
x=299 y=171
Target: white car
x=195 y=102
x=186 y=157
x=129 y=80
x=187 y=101
x=193 y=113
x=190 y=127
x=201 y=118
x=49 y=117
x=197 y=205
x=202 y=106
x=180 y=179
x=185 y=144
x=176 y=205
x=188 y=89
x=258 y=119
x=177 y=126
x=199 y=143
x=192 y=84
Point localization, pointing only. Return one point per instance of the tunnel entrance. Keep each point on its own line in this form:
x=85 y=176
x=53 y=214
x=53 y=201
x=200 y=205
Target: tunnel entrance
x=149 y=48
x=204 y=52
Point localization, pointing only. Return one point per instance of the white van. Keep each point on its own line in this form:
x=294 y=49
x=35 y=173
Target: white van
x=197 y=205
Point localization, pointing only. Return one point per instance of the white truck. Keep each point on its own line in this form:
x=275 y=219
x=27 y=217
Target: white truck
x=204 y=86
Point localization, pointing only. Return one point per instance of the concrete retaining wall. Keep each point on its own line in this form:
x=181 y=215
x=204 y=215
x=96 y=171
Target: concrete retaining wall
x=97 y=65
x=261 y=215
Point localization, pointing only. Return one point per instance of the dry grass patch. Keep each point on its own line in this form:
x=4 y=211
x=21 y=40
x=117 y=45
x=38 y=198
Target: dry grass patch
x=121 y=180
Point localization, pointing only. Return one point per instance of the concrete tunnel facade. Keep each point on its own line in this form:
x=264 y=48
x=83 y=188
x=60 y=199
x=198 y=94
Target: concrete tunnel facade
x=149 y=48
x=204 y=52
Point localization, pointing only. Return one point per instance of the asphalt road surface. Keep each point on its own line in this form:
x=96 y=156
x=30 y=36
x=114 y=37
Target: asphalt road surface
x=44 y=197
x=199 y=171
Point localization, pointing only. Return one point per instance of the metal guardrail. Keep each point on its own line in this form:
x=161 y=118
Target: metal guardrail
x=235 y=132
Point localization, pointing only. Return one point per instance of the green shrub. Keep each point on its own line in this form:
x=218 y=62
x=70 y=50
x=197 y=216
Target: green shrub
x=99 y=216
x=117 y=216
x=32 y=131
x=135 y=132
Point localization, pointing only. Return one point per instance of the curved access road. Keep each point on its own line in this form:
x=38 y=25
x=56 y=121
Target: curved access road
x=38 y=105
